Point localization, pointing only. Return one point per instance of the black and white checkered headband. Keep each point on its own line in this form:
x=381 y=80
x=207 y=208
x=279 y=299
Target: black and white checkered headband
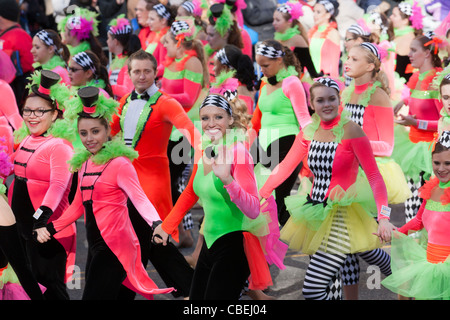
x=162 y=11
x=189 y=6
x=376 y=18
x=178 y=27
x=230 y=95
x=406 y=8
x=328 y=6
x=444 y=139
x=84 y=61
x=269 y=52
x=430 y=35
x=223 y=59
x=357 y=29
x=372 y=48
x=447 y=76
x=45 y=38
x=284 y=8
x=330 y=83
x=125 y=29
x=217 y=101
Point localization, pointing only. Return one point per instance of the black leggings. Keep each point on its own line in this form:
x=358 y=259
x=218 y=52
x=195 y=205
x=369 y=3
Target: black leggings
x=12 y=252
x=104 y=275
x=275 y=153
x=221 y=270
x=167 y=260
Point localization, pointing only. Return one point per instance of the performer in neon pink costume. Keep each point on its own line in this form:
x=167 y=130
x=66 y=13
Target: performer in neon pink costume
x=106 y=180
x=10 y=118
x=41 y=185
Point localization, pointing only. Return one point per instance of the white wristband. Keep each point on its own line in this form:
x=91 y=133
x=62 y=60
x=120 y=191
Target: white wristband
x=423 y=125
x=385 y=211
x=37 y=214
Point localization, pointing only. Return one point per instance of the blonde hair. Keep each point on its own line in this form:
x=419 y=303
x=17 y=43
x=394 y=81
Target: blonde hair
x=240 y=115
x=377 y=73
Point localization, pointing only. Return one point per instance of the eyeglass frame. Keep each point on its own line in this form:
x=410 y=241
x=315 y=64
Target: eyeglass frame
x=73 y=70
x=24 y=111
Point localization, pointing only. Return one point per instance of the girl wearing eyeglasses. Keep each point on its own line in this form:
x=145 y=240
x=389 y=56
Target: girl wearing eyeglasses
x=42 y=180
x=85 y=69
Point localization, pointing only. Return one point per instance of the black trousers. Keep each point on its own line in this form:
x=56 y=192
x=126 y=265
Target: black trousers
x=221 y=270
x=13 y=253
x=47 y=260
x=104 y=272
x=167 y=260
x=275 y=153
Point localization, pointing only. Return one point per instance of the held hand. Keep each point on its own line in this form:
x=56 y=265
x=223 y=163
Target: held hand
x=221 y=165
x=160 y=236
x=42 y=235
x=397 y=107
x=385 y=229
x=409 y=120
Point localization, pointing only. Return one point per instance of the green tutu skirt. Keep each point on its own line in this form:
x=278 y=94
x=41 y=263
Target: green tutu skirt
x=412 y=274
x=345 y=223
x=413 y=158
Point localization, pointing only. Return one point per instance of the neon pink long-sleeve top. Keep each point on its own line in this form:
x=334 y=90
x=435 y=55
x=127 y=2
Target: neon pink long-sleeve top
x=117 y=182
x=349 y=154
x=10 y=117
x=424 y=104
x=48 y=180
x=434 y=216
x=182 y=84
x=377 y=123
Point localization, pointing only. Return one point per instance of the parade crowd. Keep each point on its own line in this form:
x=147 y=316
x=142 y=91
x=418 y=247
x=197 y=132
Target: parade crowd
x=294 y=125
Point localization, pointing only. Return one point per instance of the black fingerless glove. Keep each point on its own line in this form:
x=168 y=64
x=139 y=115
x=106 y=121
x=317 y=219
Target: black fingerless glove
x=41 y=217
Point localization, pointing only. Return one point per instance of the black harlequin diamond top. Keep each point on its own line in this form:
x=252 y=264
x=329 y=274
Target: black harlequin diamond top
x=356 y=112
x=320 y=161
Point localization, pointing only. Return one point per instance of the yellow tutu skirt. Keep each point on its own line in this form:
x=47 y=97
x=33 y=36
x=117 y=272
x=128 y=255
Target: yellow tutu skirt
x=344 y=224
x=394 y=179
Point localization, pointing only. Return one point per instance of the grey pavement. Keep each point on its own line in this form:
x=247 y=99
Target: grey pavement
x=287 y=283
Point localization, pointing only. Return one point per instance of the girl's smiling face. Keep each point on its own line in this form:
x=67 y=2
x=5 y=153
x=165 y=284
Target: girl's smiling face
x=325 y=102
x=38 y=115
x=93 y=134
x=215 y=122
x=441 y=165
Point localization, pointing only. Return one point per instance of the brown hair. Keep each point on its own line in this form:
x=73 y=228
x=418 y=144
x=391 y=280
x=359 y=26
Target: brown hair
x=294 y=23
x=289 y=58
x=444 y=82
x=435 y=60
x=318 y=84
x=142 y=55
x=50 y=102
x=61 y=49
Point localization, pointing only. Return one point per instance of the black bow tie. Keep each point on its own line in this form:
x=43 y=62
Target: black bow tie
x=144 y=96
